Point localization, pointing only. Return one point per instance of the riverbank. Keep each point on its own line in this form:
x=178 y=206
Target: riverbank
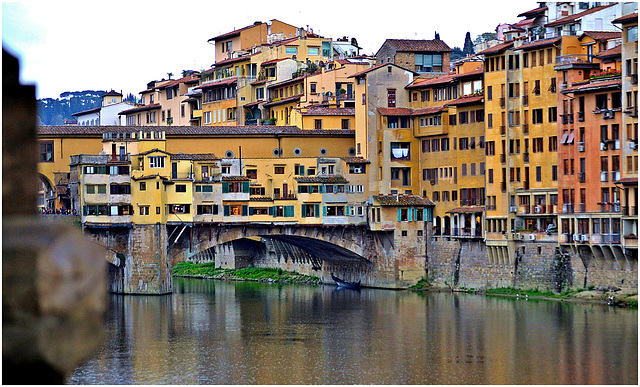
x=258 y=274
x=628 y=299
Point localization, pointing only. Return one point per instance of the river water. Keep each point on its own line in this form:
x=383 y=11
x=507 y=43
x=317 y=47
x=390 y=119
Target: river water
x=214 y=332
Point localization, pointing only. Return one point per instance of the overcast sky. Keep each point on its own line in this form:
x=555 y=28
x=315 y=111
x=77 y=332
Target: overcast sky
x=73 y=46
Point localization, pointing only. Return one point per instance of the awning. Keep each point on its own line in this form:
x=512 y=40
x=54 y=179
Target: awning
x=570 y=139
x=565 y=135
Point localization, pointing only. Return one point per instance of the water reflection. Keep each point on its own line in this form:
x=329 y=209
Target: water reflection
x=212 y=332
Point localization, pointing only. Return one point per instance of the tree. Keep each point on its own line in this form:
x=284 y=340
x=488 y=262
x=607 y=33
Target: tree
x=468 y=45
x=456 y=54
x=485 y=37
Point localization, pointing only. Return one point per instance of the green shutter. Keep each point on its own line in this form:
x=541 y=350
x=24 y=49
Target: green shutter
x=410 y=214
x=245 y=210
x=225 y=187
x=399 y=215
x=321 y=188
x=428 y=212
x=317 y=210
x=245 y=187
x=324 y=210
x=301 y=170
x=275 y=211
x=348 y=211
x=84 y=210
x=227 y=210
x=303 y=213
x=299 y=189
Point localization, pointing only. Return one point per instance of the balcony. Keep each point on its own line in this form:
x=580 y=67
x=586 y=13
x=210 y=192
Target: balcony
x=567 y=119
x=615 y=175
x=609 y=207
x=582 y=207
x=550 y=209
x=567 y=208
x=196 y=113
x=466 y=232
x=572 y=59
x=604 y=176
x=400 y=154
x=609 y=238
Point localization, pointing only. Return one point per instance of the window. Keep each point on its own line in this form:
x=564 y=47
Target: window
x=538 y=145
x=181 y=188
x=345 y=123
x=291 y=50
x=632 y=34
x=317 y=124
x=536 y=116
x=427 y=63
x=46 y=151
x=444 y=144
x=391 y=98
x=143 y=186
x=536 y=88
x=144 y=210
x=489 y=93
x=312 y=88
x=156 y=161
x=278 y=170
x=313 y=51
x=553 y=114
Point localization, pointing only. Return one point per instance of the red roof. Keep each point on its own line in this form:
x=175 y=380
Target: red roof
x=539 y=43
x=232 y=33
x=495 y=49
x=601 y=35
x=327 y=111
x=593 y=85
x=421 y=82
x=272 y=61
x=627 y=18
x=252 y=104
x=284 y=100
x=533 y=12
x=431 y=110
x=574 y=17
x=232 y=60
x=523 y=23
x=466 y=100
x=417 y=45
x=616 y=51
x=395 y=111
x=222 y=82
x=363 y=72
x=137 y=109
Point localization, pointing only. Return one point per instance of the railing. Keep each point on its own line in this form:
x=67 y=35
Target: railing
x=567 y=119
x=550 y=209
x=610 y=238
x=609 y=207
x=574 y=58
x=582 y=207
x=604 y=176
x=465 y=231
x=567 y=208
x=615 y=175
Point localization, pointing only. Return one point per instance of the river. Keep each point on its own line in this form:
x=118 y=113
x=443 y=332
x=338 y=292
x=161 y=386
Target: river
x=214 y=332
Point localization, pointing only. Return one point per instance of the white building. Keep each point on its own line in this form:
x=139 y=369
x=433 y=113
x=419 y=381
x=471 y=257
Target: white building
x=107 y=114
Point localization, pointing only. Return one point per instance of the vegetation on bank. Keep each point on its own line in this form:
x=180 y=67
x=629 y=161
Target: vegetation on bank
x=591 y=294
x=209 y=270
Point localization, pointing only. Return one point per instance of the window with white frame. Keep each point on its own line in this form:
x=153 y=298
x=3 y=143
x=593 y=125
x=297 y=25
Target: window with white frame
x=156 y=161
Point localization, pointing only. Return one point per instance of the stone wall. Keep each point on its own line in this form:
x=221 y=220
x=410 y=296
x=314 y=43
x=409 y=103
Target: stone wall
x=147 y=269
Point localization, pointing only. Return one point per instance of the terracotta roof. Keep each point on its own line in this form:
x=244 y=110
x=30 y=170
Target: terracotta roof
x=112 y=93
x=496 y=49
x=194 y=156
x=87 y=111
x=574 y=17
x=152 y=106
x=235 y=178
x=260 y=82
x=221 y=82
x=421 y=82
x=402 y=200
x=154 y=150
x=326 y=111
x=601 y=35
x=395 y=111
x=627 y=181
x=252 y=130
x=429 y=110
x=284 y=100
x=233 y=60
x=616 y=51
x=232 y=33
x=174 y=82
x=466 y=210
x=376 y=67
x=594 y=85
x=418 y=45
x=321 y=179
x=466 y=100
x=523 y=23
x=292 y=80
x=356 y=160
x=533 y=12
x=539 y=43
x=252 y=104
x=272 y=61
x=627 y=18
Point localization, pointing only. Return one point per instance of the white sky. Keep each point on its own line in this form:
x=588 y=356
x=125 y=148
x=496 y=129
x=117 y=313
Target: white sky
x=73 y=46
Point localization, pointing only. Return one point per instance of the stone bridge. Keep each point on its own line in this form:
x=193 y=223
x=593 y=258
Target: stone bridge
x=142 y=256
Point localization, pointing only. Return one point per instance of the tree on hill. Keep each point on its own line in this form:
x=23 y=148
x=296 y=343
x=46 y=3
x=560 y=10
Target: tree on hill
x=485 y=37
x=456 y=54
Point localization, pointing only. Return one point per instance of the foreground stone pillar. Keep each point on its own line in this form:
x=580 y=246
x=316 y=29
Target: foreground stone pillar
x=53 y=279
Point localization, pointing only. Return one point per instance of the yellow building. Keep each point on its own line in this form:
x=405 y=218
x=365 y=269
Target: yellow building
x=323 y=117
